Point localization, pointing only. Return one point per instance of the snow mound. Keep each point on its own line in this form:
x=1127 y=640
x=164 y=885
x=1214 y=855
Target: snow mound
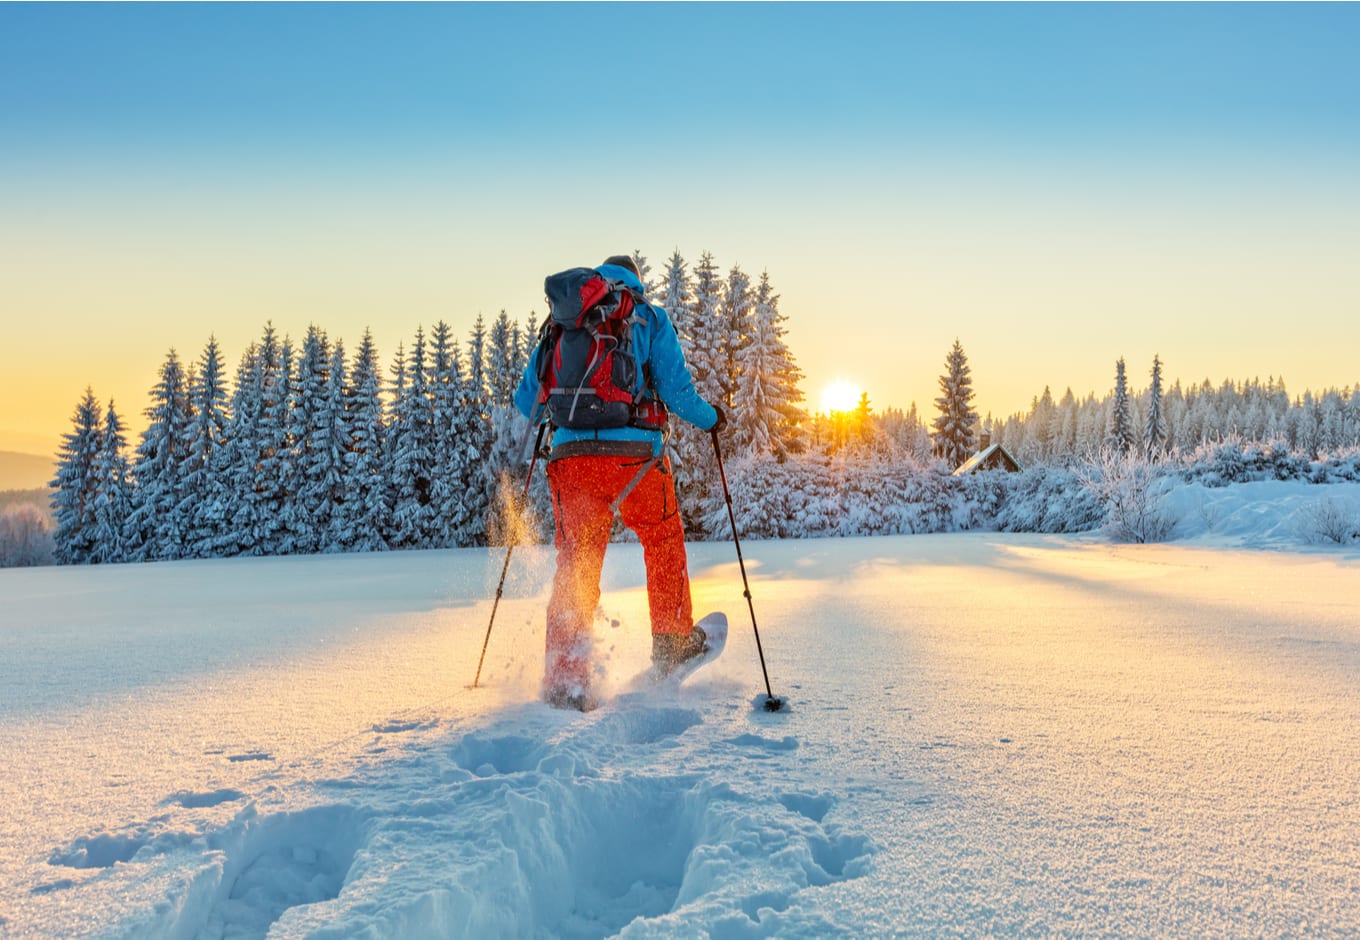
x=1266 y=514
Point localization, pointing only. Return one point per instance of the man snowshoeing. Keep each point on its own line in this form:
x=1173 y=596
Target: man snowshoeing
x=594 y=470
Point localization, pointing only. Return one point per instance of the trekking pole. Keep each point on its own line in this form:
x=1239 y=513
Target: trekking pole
x=772 y=704
x=514 y=537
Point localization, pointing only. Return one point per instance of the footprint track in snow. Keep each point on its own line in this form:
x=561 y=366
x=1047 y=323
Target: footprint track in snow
x=814 y=806
x=278 y=862
x=641 y=726
x=491 y=755
x=526 y=802
x=101 y=850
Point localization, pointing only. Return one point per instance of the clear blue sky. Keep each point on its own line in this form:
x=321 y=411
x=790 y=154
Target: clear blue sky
x=1056 y=185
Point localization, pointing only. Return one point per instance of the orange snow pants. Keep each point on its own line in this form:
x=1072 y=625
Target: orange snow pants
x=583 y=487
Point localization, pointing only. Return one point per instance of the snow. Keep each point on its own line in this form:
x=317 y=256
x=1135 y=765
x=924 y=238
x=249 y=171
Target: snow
x=988 y=734
x=1265 y=514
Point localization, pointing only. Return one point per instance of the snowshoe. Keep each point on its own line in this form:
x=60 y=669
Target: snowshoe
x=675 y=657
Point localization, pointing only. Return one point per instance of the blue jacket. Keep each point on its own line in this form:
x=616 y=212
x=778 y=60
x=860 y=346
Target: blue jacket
x=654 y=342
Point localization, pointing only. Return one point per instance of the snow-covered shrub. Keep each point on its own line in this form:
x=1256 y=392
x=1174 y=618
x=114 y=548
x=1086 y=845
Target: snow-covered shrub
x=891 y=497
x=1329 y=519
x=983 y=495
x=814 y=495
x=770 y=499
x=1132 y=489
x=25 y=537
x=1237 y=461
x=1340 y=467
x=1218 y=464
x=1047 y=498
x=945 y=503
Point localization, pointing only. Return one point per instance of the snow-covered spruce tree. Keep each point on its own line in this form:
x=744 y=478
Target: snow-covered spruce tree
x=205 y=489
x=1175 y=411
x=157 y=523
x=530 y=332
x=705 y=350
x=392 y=437
x=272 y=471
x=458 y=488
x=286 y=468
x=113 y=501
x=503 y=367
x=75 y=485
x=649 y=286
x=1038 y=441
x=476 y=360
x=1063 y=428
x=238 y=530
x=445 y=388
x=1155 y=438
x=766 y=416
x=1303 y=434
x=907 y=432
x=1198 y=418
x=866 y=439
x=738 y=309
x=335 y=433
x=1119 y=437
x=315 y=460
x=412 y=457
x=506 y=430
x=695 y=471
x=956 y=427
x=1251 y=422
x=361 y=525
x=1352 y=416
x=1091 y=424
x=1330 y=438
x=676 y=295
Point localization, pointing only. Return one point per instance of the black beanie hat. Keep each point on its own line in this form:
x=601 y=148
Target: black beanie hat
x=623 y=261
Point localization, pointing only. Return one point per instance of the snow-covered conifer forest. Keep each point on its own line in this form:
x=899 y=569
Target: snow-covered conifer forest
x=311 y=448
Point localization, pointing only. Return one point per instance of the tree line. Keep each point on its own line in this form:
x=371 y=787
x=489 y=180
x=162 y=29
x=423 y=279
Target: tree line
x=1151 y=423
x=310 y=449
x=1178 y=420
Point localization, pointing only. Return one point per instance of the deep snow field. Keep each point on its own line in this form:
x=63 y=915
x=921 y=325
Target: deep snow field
x=988 y=735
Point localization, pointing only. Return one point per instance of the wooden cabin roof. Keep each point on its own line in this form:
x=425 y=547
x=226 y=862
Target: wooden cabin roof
x=991 y=457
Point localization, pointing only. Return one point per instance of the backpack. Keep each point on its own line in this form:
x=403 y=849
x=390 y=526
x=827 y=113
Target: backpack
x=589 y=377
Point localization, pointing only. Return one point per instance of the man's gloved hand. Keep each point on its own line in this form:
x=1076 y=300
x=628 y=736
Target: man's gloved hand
x=721 y=422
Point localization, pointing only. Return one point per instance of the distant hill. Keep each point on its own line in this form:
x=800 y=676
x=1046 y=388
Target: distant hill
x=24 y=471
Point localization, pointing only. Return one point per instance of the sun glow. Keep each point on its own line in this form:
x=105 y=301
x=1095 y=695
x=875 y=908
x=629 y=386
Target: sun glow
x=840 y=395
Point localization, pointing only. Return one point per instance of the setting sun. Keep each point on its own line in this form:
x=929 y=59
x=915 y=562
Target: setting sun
x=841 y=395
